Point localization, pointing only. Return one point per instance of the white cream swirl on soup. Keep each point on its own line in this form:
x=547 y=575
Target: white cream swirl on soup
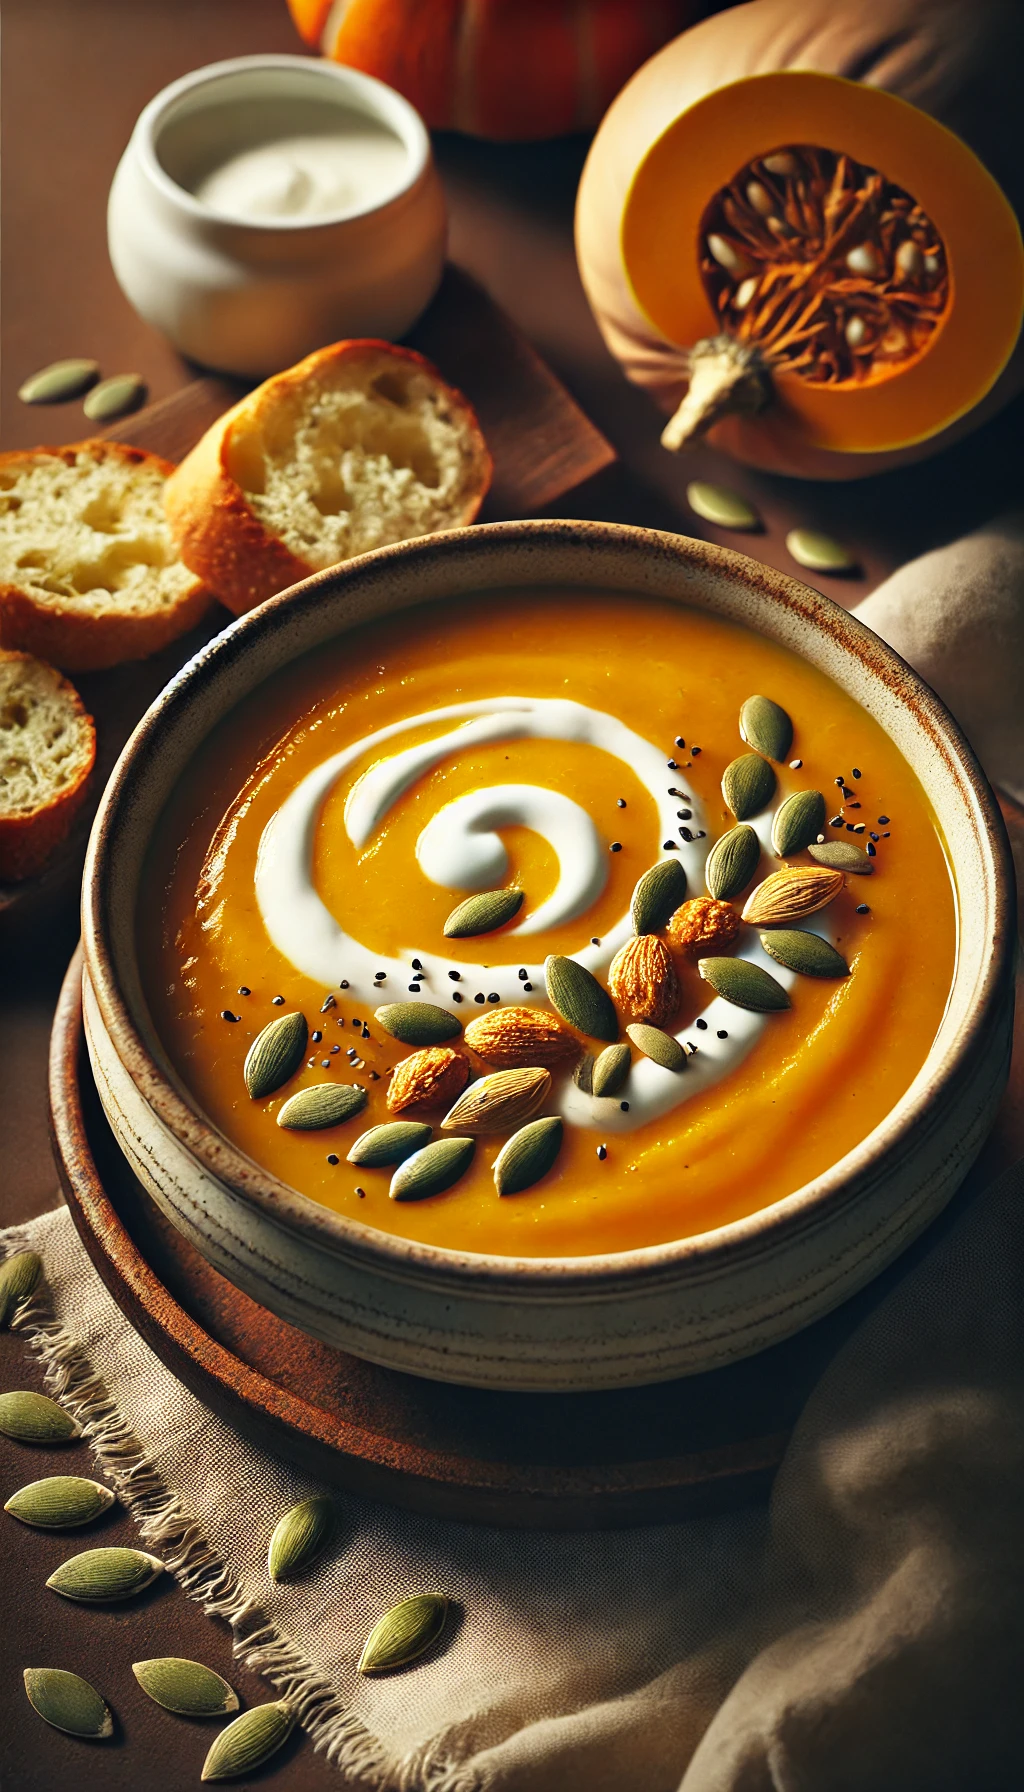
x=461 y=849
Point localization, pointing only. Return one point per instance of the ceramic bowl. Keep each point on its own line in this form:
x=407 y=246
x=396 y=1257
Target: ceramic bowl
x=572 y=1323
x=252 y=298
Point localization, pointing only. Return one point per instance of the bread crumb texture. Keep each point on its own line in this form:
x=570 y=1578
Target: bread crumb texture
x=361 y=452
x=46 y=742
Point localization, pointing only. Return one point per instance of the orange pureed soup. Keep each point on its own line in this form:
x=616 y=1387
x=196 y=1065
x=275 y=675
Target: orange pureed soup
x=560 y=744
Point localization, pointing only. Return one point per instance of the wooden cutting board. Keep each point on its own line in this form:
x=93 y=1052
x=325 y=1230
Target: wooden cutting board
x=543 y=447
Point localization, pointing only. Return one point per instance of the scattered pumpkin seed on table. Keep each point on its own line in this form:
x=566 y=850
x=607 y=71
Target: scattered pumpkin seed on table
x=18 y=1276
x=187 y=1687
x=322 y=1104
x=743 y=984
x=748 y=785
x=250 y=1740
x=731 y=863
x=388 y=1144
x=67 y=1702
x=819 y=553
x=766 y=727
x=483 y=913
x=417 y=1023
x=115 y=397
x=404 y=1633
x=60 y=381
x=275 y=1054
x=59 y=1502
x=99 y=1575
x=579 y=998
x=431 y=1170
x=804 y=952
x=720 y=505
x=32 y=1418
x=657 y=895
x=300 y=1536
x=528 y=1155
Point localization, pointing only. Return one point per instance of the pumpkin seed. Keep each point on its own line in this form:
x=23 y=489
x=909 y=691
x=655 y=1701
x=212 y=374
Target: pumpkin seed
x=610 y=1070
x=388 y=1144
x=60 y=1502
x=842 y=855
x=18 y=1276
x=249 y=1740
x=35 y=1418
x=579 y=998
x=791 y=895
x=404 y=1633
x=483 y=913
x=323 y=1104
x=659 y=1046
x=731 y=863
x=743 y=984
x=819 y=553
x=432 y=1169
x=300 y=1536
x=766 y=727
x=67 y=1702
x=528 y=1155
x=59 y=381
x=748 y=784
x=188 y=1687
x=417 y=1023
x=657 y=896
x=719 y=504
x=797 y=822
x=805 y=952
x=496 y=1102
x=98 y=1575
x=275 y=1055
x=583 y=1075
x=115 y=397
x=781 y=162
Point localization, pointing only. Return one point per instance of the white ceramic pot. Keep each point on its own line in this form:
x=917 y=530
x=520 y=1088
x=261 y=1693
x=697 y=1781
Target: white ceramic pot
x=596 y=1322
x=252 y=298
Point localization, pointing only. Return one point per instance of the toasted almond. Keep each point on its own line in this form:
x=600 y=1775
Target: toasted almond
x=788 y=895
x=514 y=1036
x=429 y=1077
x=499 y=1102
x=642 y=980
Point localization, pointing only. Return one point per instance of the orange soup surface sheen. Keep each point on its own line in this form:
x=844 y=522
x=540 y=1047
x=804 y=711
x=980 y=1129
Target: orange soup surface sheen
x=819 y=1077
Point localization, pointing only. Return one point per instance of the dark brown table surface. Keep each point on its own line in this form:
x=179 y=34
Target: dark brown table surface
x=75 y=74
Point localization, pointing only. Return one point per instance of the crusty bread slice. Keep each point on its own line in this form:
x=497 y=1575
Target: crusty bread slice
x=358 y=445
x=89 y=574
x=47 y=749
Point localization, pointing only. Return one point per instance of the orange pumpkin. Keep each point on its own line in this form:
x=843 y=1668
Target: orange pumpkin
x=797 y=227
x=512 y=69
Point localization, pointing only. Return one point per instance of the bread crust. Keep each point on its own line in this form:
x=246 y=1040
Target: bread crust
x=222 y=540
x=69 y=635
x=27 y=842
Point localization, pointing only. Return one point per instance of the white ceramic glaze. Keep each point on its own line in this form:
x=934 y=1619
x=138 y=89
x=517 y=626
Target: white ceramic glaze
x=253 y=297
x=596 y=1322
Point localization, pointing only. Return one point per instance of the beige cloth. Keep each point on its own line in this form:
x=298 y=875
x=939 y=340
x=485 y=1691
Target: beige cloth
x=864 y=1635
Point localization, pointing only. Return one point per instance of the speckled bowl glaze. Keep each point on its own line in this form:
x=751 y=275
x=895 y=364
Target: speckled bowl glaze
x=569 y=1323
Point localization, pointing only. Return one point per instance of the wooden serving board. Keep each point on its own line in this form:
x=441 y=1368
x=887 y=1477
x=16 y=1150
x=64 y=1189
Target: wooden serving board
x=542 y=444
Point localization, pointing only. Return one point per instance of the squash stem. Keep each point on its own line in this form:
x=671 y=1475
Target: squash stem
x=727 y=379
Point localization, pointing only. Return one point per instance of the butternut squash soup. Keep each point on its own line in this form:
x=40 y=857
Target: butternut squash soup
x=548 y=925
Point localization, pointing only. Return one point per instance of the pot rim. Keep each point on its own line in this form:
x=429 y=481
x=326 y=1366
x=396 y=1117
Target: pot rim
x=701 y=1255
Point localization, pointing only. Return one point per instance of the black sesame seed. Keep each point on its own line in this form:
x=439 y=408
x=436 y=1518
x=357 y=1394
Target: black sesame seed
x=883 y=821
x=328 y=1002
x=859 y=827
x=885 y=836
x=680 y=742
x=380 y=976
x=672 y=765
x=871 y=851
x=836 y=821
x=691 y=1048
x=344 y=983
x=624 y=1105
x=325 y=1063
x=669 y=846
x=602 y=1152
x=333 y=1158
x=243 y=991
x=851 y=827
x=594 y=941
x=620 y=802
x=316 y=1038
x=414 y=989
x=696 y=752
x=278 y=1001
x=616 y=846
x=863 y=909
x=853 y=805
x=455 y=976
x=356 y=1023
x=361 y=1192
x=721 y=1034
x=493 y=996
x=456 y=995
x=701 y=835
x=702 y=1024
x=685 y=834
x=523 y=973
x=226 y=1014
x=875 y=836
x=840 y=782
x=416 y=965
x=478 y=998
x=374 y=1076
x=366 y=1032
x=856 y=772
x=680 y=793
x=685 y=814
x=528 y=986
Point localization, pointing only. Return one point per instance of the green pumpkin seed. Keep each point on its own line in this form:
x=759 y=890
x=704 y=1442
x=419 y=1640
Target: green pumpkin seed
x=482 y=914
x=67 y=1702
x=659 y=1046
x=35 y=1419
x=819 y=553
x=115 y=397
x=579 y=998
x=528 y=1155
x=743 y=984
x=842 y=855
x=797 y=822
x=431 y=1170
x=300 y=1536
x=721 y=505
x=275 y=1055
x=766 y=727
x=59 y=381
x=60 y=1502
x=18 y=1276
x=188 y=1687
x=748 y=785
x=98 y=1575
x=404 y=1633
x=805 y=952
x=657 y=896
x=418 y=1023
x=732 y=862
x=388 y=1144
x=323 y=1104
x=583 y=1075
x=249 y=1741
x=610 y=1070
